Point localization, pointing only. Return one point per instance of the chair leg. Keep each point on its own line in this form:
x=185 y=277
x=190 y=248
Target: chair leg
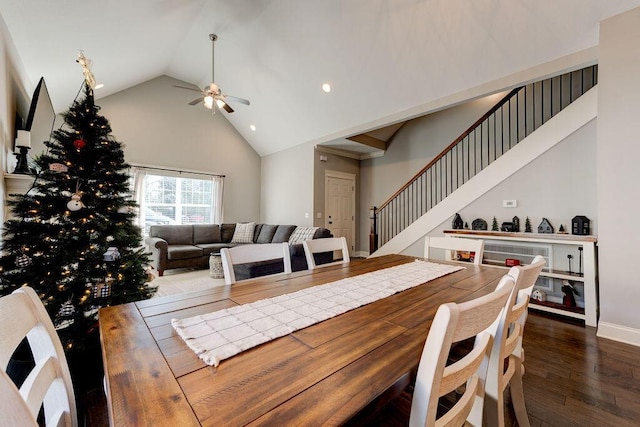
x=493 y=410
x=517 y=395
x=494 y=396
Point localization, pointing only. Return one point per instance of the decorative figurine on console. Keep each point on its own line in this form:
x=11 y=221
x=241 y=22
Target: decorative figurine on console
x=580 y=225
x=457 y=223
x=527 y=225
x=479 y=224
x=494 y=225
x=516 y=224
x=538 y=295
x=507 y=226
x=545 y=227
x=569 y=291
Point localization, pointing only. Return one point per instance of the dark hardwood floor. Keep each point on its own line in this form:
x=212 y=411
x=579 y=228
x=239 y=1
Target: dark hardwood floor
x=573 y=378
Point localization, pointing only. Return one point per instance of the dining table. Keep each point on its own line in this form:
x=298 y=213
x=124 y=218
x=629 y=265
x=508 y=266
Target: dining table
x=329 y=373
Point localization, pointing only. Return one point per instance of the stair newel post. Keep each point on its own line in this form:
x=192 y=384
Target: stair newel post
x=373 y=235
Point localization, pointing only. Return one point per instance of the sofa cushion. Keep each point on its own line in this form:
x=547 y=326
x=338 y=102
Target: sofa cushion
x=226 y=232
x=322 y=233
x=173 y=234
x=283 y=233
x=256 y=232
x=206 y=233
x=208 y=248
x=266 y=233
x=300 y=234
x=243 y=232
x=183 y=252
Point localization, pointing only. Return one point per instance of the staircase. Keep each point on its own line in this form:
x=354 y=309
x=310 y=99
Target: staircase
x=523 y=125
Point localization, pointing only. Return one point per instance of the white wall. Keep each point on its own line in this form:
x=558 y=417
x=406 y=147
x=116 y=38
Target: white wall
x=157 y=127
x=618 y=149
x=558 y=185
x=287 y=186
x=410 y=149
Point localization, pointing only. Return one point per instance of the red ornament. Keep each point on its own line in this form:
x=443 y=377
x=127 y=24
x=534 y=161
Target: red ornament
x=79 y=143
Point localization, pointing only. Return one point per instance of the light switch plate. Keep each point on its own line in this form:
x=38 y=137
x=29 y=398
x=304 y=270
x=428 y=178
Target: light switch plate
x=509 y=203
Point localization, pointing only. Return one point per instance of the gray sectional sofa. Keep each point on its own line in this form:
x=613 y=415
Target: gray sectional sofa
x=178 y=246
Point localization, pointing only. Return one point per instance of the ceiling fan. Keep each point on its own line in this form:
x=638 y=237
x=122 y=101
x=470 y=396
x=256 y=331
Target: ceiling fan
x=212 y=92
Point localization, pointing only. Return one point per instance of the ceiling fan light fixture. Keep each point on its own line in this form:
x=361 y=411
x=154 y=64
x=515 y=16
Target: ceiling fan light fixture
x=220 y=103
x=208 y=101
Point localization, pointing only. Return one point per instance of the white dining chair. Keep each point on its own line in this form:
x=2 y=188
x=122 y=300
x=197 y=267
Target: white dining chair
x=458 y=244
x=454 y=323
x=330 y=244
x=243 y=254
x=48 y=384
x=507 y=356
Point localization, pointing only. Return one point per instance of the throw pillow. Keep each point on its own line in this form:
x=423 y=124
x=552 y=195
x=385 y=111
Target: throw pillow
x=283 y=233
x=243 y=233
x=300 y=234
x=267 y=233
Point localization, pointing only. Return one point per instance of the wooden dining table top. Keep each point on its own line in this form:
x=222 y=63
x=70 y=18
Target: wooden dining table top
x=324 y=374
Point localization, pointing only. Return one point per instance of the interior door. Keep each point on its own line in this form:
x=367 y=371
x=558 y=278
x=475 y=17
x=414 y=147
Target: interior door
x=340 y=206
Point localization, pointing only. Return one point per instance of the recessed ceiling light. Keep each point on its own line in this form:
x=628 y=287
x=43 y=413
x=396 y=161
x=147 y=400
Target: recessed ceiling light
x=99 y=86
x=326 y=87
x=252 y=127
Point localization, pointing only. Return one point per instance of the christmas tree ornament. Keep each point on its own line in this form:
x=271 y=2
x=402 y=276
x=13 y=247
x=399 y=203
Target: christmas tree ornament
x=75 y=204
x=58 y=167
x=92 y=311
x=86 y=63
x=79 y=144
x=111 y=254
x=64 y=319
x=23 y=261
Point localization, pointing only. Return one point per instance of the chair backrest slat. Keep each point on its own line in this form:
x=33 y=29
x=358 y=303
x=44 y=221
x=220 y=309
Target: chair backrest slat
x=48 y=384
x=458 y=244
x=243 y=254
x=330 y=244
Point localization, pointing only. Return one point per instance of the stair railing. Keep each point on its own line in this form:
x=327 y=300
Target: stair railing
x=513 y=118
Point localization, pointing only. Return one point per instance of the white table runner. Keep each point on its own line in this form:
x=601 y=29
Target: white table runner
x=219 y=335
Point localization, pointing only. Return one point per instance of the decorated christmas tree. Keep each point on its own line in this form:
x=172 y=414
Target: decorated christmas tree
x=72 y=237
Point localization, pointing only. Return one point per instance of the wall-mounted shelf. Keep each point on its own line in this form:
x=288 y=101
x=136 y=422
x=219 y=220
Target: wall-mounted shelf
x=15 y=183
x=588 y=277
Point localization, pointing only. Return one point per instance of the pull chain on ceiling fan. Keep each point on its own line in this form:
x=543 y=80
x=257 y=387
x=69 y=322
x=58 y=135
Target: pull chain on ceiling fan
x=212 y=94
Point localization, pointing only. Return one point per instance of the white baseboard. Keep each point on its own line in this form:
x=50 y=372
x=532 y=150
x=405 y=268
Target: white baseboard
x=360 y=254
x=619 y=333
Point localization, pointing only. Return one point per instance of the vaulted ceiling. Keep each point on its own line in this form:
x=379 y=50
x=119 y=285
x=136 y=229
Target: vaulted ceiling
x=386 y=60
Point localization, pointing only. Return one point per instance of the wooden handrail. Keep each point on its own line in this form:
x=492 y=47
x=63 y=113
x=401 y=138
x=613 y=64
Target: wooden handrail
x=453 y=144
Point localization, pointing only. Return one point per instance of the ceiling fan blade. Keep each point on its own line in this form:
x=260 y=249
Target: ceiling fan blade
x=227 y=108
x=240 y=100
x=197 y=101
x=188 y=88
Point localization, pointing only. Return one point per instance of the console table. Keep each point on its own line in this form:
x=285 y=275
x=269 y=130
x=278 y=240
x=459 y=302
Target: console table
x=588 y=276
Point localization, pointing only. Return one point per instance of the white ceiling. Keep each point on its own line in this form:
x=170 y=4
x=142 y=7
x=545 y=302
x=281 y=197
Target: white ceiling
x=383 y=57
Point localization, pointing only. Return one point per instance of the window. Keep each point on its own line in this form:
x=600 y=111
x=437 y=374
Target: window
x=168 y=199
